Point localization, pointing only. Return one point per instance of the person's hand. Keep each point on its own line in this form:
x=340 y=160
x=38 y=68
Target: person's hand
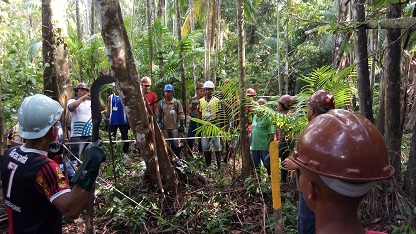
x=86 y=96
x=182 y=126
x=289 y=165
x=159 y=122
x=55 y=148
x=88 y=171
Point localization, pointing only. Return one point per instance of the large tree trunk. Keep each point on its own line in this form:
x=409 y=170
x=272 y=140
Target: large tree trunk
x=391 y=64
x=410 y=177
x=55 y=54
x=361 y=59
x=247 y=163
x=160 y=10
x=121 y=60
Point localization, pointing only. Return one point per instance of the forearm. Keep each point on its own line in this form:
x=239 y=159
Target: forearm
x=75 y=104
x=71 y=204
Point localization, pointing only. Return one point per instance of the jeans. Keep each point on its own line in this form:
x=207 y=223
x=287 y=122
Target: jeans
x=258 y=156
x=206 y=143
x=124 y=129
x=76 y=149
x=192 y=126
x=306 y=217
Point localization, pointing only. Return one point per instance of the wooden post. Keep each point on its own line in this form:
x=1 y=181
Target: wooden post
x=275 y=176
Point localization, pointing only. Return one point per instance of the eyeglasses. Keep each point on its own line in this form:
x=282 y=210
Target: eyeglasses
x=83 y=89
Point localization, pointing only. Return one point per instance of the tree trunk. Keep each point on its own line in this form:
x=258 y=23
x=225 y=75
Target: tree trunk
x=149 y=21
x=410 y=177
x=79 y=33
x=207 y=40
x=279 y=78
x=247 y=163
x=361 y=59
x=287 y=59
x=55 y=54
x=2 y=140
x=92 y=24
x=393 y=131
x=191 y=21
x=339 y=37
x=181 y=62
x=123 y=67
x=160 y=9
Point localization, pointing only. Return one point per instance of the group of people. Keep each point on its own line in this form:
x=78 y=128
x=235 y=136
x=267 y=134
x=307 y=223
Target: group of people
x=338 y=156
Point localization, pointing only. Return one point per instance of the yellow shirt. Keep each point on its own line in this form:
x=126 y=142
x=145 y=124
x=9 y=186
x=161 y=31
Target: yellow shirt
x=209 y=109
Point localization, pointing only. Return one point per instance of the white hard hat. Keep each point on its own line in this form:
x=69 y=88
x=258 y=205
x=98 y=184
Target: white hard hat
x=36 y=115
x=208 y=85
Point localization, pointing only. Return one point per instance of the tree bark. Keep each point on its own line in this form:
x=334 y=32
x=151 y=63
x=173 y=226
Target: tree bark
x=207 y=41
x=247 y=163
x=339 y=37
x=121 y=60
x=392 y=23
x=54 y=50
x=92 y=24
x=361 y=59
x=391 y=64
x=191 y=22
x=2 y=139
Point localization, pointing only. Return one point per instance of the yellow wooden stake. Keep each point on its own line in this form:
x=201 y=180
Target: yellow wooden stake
x=275 y=176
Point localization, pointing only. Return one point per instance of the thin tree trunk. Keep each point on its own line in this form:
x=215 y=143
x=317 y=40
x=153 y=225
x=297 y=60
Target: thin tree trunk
x=279 y=79
x=393 y=131
x=79 y=33
x=247 y=164
x=373 y=47
x=149 y=25
x=121 y=60
x=55 y=54
x=191 y=21
x=2 y=140
x=287 y=59
x=361 y=59
x=217 y=39
x=160 y=9
x=207 y=34
x=181 y=65
x=92 y=24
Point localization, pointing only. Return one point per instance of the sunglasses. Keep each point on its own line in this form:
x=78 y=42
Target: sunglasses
x=146 y=85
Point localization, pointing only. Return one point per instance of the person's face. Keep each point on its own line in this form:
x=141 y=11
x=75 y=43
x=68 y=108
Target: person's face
x=81 y=92
x=208 y=92
x=146 y=86
x=115 y=90
x=168 y=95
x=200 y=92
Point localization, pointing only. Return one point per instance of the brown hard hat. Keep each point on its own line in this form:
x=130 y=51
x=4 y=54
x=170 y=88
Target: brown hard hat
x=81 y=86
x=251 y=92
x=287 y=100
x=322 y=99
x=199 y=86
x=344 y=146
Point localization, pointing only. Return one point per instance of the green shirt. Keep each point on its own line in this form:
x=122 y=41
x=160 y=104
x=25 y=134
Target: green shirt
x=261 y=131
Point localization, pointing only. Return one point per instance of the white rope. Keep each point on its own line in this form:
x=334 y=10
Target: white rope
x=124 y=141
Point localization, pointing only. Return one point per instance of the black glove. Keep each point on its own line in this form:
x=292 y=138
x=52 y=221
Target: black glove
x=88 y=171
x=182 y=125
x=159 y=122
x=55 y=148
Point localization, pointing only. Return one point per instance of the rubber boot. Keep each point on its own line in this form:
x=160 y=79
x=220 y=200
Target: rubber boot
x=208 y=156
x=177 y=151
x=218 y=157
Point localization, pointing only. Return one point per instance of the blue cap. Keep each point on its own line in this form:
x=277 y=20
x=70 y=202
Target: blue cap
x=169 y=87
